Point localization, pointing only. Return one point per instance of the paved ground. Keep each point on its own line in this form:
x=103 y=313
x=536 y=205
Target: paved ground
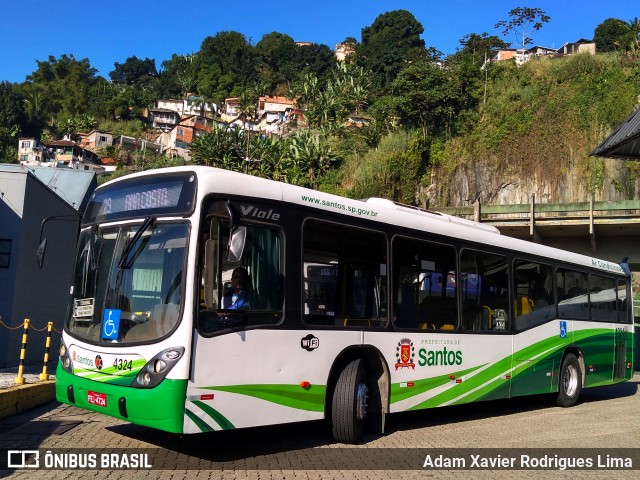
x=606 y=418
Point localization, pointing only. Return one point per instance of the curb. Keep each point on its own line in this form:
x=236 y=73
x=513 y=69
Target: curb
x=21 y=398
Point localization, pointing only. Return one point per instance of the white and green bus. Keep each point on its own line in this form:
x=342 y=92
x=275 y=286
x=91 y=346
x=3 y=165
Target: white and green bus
x=351 y=309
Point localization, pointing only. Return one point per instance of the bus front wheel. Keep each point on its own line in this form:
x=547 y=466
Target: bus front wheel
x=570 y=383
x=349 y=403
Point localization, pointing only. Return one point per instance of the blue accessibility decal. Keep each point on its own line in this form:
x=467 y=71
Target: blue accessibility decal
x=111 y=323
x=563 y=329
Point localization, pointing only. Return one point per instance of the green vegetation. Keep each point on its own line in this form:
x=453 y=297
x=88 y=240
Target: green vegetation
x=397 y=120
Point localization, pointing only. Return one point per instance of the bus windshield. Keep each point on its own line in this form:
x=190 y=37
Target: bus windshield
x=128 y=282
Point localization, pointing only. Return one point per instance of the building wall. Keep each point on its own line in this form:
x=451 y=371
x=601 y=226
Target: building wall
x=11 y=210
x=42 y=296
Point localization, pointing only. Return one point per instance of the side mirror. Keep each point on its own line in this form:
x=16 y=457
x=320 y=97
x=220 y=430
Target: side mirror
x=43 y=242
x=40 y=253
x=236 y=244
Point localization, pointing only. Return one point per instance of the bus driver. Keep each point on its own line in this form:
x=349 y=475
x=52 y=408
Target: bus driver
x=237 y=297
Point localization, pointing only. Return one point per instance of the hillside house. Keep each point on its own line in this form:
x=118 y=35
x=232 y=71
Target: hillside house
x=31 y=151
x=163 y=118
x=579 y=46
x=274 y=108
x=133 y=144
x=192 y=105
x=95 y=140
x=344 y=50
x=68 y=154
x=231 y=109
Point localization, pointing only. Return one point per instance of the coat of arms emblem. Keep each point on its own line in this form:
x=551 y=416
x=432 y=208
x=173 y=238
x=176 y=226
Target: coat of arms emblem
x=404 y=354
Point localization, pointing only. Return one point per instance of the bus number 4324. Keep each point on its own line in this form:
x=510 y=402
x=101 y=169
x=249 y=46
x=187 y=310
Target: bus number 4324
x=120 y=364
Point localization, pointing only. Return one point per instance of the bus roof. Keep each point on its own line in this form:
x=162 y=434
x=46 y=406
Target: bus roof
x=217 y=180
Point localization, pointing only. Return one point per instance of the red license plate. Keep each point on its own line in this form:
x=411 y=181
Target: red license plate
x=96 y=398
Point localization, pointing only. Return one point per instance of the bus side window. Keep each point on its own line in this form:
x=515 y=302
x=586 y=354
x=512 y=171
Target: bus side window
x=424 y=285
x=602 y=298
x=573 y=297
x=534 y=303
x=345 y=276
x=485 y=291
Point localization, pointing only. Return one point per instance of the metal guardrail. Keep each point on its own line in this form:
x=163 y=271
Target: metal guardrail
x=533 y=215
x=582 y=210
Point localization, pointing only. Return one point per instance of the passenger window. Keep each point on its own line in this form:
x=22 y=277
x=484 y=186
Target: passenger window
x=345 y=276
x=603 y=299
x=534 y=302
x=484 y=287
x=424 y=284
x=573 y=298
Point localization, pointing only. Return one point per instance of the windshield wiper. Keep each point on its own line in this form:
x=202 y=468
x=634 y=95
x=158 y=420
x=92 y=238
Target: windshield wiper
x=125 y=262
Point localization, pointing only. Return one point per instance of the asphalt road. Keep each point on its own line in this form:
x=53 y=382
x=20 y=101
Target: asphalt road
x=606 y=422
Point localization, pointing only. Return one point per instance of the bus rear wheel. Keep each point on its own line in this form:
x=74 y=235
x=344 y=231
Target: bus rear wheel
x=349 y=402
x=570 y=383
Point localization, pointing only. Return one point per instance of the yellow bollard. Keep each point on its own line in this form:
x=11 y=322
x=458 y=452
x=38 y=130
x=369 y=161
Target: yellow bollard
x=44 y=375
x=20 y=378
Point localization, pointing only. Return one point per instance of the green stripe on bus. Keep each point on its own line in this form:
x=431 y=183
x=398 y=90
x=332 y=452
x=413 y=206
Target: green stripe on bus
x=475 y=382
x=220 y=419
x=293 y=396
x=594 y=343
x=398 y=392
x=202 y=425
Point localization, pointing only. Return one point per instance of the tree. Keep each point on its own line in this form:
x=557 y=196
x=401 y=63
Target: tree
x=178 y=76
x=311 y=154
x=388 y=44
x=316 y=59
x=65 y=85
x=233 y=54
x=134 y=71
x=426 y=96
x=277 y=53
x=523 y=23
x=218 y=148
x=12 y=121
x=630 y=42
x=607 y=34
x=469 y=65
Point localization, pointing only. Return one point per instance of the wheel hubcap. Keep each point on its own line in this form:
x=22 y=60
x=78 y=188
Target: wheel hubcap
x=570 y=380
x=362 y=396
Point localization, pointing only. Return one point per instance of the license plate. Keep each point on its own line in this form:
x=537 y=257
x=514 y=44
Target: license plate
x=96 y=398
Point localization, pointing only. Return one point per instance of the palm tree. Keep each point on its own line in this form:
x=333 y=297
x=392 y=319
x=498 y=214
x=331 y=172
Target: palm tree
x=203 y=103
x=312 y=154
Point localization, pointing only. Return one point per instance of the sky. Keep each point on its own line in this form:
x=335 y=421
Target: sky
x=111 y=31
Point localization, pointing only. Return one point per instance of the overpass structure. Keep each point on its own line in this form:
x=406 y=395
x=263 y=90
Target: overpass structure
x=607 y=230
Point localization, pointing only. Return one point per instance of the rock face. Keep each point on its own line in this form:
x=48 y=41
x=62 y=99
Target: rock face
x=608 y=179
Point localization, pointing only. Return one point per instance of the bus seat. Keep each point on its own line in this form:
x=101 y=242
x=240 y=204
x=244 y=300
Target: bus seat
x=523 y=305
x=356 y=322
x=447 y=326
x=426 y=326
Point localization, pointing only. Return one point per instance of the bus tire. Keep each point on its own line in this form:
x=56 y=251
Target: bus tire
x=570 y=383
x=349 y=402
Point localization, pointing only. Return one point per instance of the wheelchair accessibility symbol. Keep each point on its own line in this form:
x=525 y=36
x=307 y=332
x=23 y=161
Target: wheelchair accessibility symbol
x=111 y=323
x=563 y=329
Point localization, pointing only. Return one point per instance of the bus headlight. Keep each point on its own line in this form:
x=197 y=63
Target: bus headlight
x=65 y=361
x=157 y=368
